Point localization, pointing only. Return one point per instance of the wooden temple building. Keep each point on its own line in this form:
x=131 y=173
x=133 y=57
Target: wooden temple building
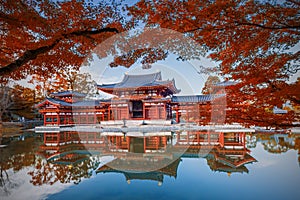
x=136 y=97
x=141 y=97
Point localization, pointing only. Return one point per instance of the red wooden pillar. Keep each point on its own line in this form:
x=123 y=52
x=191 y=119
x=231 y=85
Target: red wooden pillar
x=145 y=144
x=117 y=142
x=177 y=115
x=127 y=111
x=45 y=119
x=221 y=139
x=244 y=140
x=65 y=120
x=164 y=111
x=65 y=137
x=58 y=138
x=144 y=111
x=187 y=109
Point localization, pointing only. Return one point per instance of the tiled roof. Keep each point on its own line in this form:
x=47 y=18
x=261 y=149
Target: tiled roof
x=134 y=81
x=89 y=103
x=139 y=80
x=86 y=103
x=60 y=102
x=54 y=101
x=192 y=98
x=68 y=93
x=113 y=85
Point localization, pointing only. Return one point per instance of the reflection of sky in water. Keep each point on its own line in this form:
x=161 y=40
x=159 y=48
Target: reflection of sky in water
x=21 y=187
x=274 y=176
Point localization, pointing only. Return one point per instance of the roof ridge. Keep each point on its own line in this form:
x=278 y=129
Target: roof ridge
x=152 y=73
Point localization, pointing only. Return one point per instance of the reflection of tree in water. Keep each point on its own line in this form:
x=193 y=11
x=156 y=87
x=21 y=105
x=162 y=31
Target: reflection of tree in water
x=51 y=172
x=14 y=157
x=279 y=143
x=274 y=147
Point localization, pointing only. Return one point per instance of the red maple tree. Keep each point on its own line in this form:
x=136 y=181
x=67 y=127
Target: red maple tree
x=252 y=41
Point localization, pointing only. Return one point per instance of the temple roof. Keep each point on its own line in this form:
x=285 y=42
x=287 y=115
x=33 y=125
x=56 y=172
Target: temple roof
x=142 y=169
x=193 y=98
x=57 y=102
x=86 y=103
x=153 y=175
x=68 y=93
x=226 y=160
x=145 y=80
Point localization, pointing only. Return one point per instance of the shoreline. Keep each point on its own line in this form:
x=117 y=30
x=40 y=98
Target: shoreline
x=142 y=127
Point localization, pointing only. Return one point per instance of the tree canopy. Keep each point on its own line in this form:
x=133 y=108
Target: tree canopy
x=254 y=42
x=40 y=37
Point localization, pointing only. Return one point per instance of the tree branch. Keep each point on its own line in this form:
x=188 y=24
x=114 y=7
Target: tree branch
x=266 y=27
x=237 y=23
x=294 y=2
x=33 y=53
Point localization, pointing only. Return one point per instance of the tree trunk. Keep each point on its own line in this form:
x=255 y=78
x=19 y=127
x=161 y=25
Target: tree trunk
x=1 y=132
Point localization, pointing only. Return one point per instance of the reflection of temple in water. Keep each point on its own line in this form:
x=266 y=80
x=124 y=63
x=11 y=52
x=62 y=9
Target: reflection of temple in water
x=224 y=152
x=134 y=173
x=148 y=156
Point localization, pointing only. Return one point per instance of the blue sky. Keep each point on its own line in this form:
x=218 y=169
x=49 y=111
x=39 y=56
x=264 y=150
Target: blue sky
x=185 y=73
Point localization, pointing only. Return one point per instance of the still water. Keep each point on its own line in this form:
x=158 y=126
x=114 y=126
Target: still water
x=185 y=165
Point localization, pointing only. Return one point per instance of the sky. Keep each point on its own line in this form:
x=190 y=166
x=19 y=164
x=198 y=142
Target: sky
x=185 y=73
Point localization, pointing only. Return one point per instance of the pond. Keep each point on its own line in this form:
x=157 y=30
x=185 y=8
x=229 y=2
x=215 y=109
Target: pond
x=163 y=165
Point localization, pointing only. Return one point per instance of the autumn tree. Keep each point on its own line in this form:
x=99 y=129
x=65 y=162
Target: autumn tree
x=23 y=101
x=14 y=158
x=5 y=102
x=46 y=172
x=40 y=37
x=67 y=78
x=72 y=79
x=252 y=41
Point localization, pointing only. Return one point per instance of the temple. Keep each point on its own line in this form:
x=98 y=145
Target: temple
x=136 y=97
x=69 y=107
x=141 y=97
